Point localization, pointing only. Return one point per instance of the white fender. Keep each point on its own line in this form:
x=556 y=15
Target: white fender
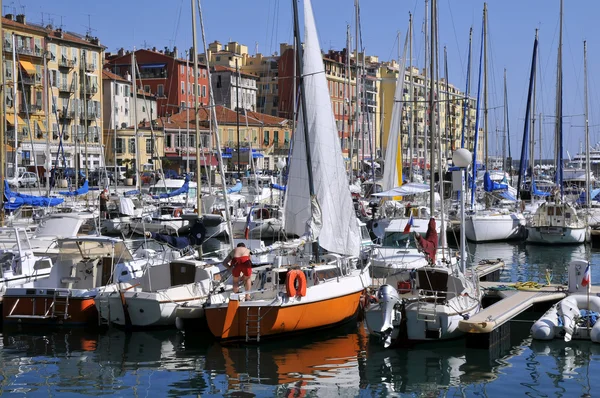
x=569 y=308
x=544 y=328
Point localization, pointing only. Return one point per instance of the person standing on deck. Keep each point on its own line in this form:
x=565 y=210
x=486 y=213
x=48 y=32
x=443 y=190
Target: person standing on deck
x=239 y=259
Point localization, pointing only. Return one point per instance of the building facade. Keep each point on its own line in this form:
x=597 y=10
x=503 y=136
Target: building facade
x=53 y=96
x=227 y=84
x=166 y=75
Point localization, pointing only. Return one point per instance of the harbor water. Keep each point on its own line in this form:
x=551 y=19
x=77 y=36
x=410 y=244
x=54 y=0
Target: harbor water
x=336 y=362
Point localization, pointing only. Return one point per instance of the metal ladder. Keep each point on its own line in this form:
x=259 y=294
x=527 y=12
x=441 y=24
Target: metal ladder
x=253 y=325
x=424 y=312
x=60 y=304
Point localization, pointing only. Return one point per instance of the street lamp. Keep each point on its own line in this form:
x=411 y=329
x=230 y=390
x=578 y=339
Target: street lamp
x=462 y=159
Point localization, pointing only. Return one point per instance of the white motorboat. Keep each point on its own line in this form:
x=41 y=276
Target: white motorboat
x=423 y=304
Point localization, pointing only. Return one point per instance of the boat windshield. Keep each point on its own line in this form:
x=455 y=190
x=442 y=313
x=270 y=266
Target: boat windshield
x=398 y=239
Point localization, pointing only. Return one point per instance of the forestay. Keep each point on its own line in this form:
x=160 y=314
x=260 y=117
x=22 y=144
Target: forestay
x=339 y=233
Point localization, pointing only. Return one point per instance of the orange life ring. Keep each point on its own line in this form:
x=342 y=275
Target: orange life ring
x=177 y=212
x=290 y=283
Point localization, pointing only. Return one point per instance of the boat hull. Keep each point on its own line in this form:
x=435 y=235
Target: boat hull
x=228 y=322
x=556 y=235
x=35 y=309
x=492 y=228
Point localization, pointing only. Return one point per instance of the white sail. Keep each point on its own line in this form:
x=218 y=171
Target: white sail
x=392 y=172
x=339 y=233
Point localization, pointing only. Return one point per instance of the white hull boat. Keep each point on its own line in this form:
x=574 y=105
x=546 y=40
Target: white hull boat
x=556 y=223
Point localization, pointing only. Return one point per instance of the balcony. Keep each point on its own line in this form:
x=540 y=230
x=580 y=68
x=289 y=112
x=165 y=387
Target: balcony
x=29 y=80
x=66 y=88
x=91 y=115
x=66 y=113
x=66 y=63
x=89 y=90
x=88 y=67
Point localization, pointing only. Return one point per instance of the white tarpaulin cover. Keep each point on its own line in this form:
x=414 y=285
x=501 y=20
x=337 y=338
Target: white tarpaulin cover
x=339 y=233
x=412 y=188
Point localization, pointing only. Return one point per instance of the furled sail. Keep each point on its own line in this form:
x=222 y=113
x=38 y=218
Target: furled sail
x=339 y=232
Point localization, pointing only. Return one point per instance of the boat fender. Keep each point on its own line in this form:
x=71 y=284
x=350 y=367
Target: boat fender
x=294 y=276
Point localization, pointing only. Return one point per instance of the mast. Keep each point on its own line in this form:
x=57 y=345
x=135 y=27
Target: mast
x=114 y=126
x=16 y=107
x=522 y=161
x=85 y=113
x=477 y=107
x=345 y=112
x=2 y=128
x=505 y=164
x=485 y=88
x=138 y=182
x=412 y=99
x=187 y=114
x=357 y=90
x=237 y=114
x=449 y=137
x=532 y=135
x=559 y=109
x=197 y=122
x=588 y=195
x=467 y=92
x=432 y=110
x=48 y=162
x=425 y=116
x=300 y=67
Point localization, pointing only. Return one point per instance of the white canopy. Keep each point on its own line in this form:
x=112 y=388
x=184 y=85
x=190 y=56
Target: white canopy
x=411 y=188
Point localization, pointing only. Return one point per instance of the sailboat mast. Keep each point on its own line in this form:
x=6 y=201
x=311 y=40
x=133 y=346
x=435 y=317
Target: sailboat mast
x=345 y=109
x=504 y=162
x=425 y=115
x=187 y=115
x=16 y=109
x=432 y=110
x=467 y=92
x=48 y=162
x=532 y=136
x=138 y=182
x=588 y=197
x=300 y=67
x=559 y=108
x=449 y=137
x=485 y=89
x=357 y=130
x=412 y=98
x=196 y=118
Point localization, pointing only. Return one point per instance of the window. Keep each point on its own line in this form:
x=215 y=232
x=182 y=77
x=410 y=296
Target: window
x=147 y=88
x=276 y=138
x=181 y=69
x=219 y=80
x=204 y=91
x=230 y=135
x=116 y=89
x=168 y=140
x=286 y=136
x=182 y=87
x=132 y=145
x=149 y=146
x=182 y=105
x=266 y=138
x=120 y=145
x=218 y=58
x=160 y=90
x=189 y=88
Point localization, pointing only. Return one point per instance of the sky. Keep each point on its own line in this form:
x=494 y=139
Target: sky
x=263 y=24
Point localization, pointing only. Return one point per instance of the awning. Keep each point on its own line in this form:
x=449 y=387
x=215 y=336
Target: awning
x=258 y=155
x=152 y=66
x=21 y=121
x=28 y=66
x=210 y=160
x=405 y=190
x=226 y=156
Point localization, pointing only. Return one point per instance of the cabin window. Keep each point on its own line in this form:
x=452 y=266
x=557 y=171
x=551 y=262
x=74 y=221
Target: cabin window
x=558 y=211
x=550 y=211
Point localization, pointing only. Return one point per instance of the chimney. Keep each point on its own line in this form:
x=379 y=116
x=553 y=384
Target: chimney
x=121 y=52
x=175 y=54
x=9 y=16
x=21 y=18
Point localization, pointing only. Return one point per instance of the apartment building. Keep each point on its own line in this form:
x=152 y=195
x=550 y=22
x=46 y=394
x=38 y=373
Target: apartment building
x=52 y=96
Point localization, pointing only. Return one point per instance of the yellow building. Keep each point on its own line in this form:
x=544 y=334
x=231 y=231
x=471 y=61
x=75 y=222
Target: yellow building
x=449 y=120
x=150 y=144
x=58 y=96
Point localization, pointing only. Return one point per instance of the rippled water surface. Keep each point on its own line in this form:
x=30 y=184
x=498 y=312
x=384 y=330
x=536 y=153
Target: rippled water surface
x=339 y=362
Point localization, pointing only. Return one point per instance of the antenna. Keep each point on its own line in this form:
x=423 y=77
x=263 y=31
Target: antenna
x=89 y=29
x=255 y=48
x=22 y=7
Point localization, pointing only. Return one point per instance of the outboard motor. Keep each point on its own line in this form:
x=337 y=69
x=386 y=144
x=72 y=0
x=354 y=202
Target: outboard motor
x=388 y=299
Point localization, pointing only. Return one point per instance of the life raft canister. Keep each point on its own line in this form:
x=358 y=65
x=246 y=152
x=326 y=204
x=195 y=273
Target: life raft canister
x=292 y=277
